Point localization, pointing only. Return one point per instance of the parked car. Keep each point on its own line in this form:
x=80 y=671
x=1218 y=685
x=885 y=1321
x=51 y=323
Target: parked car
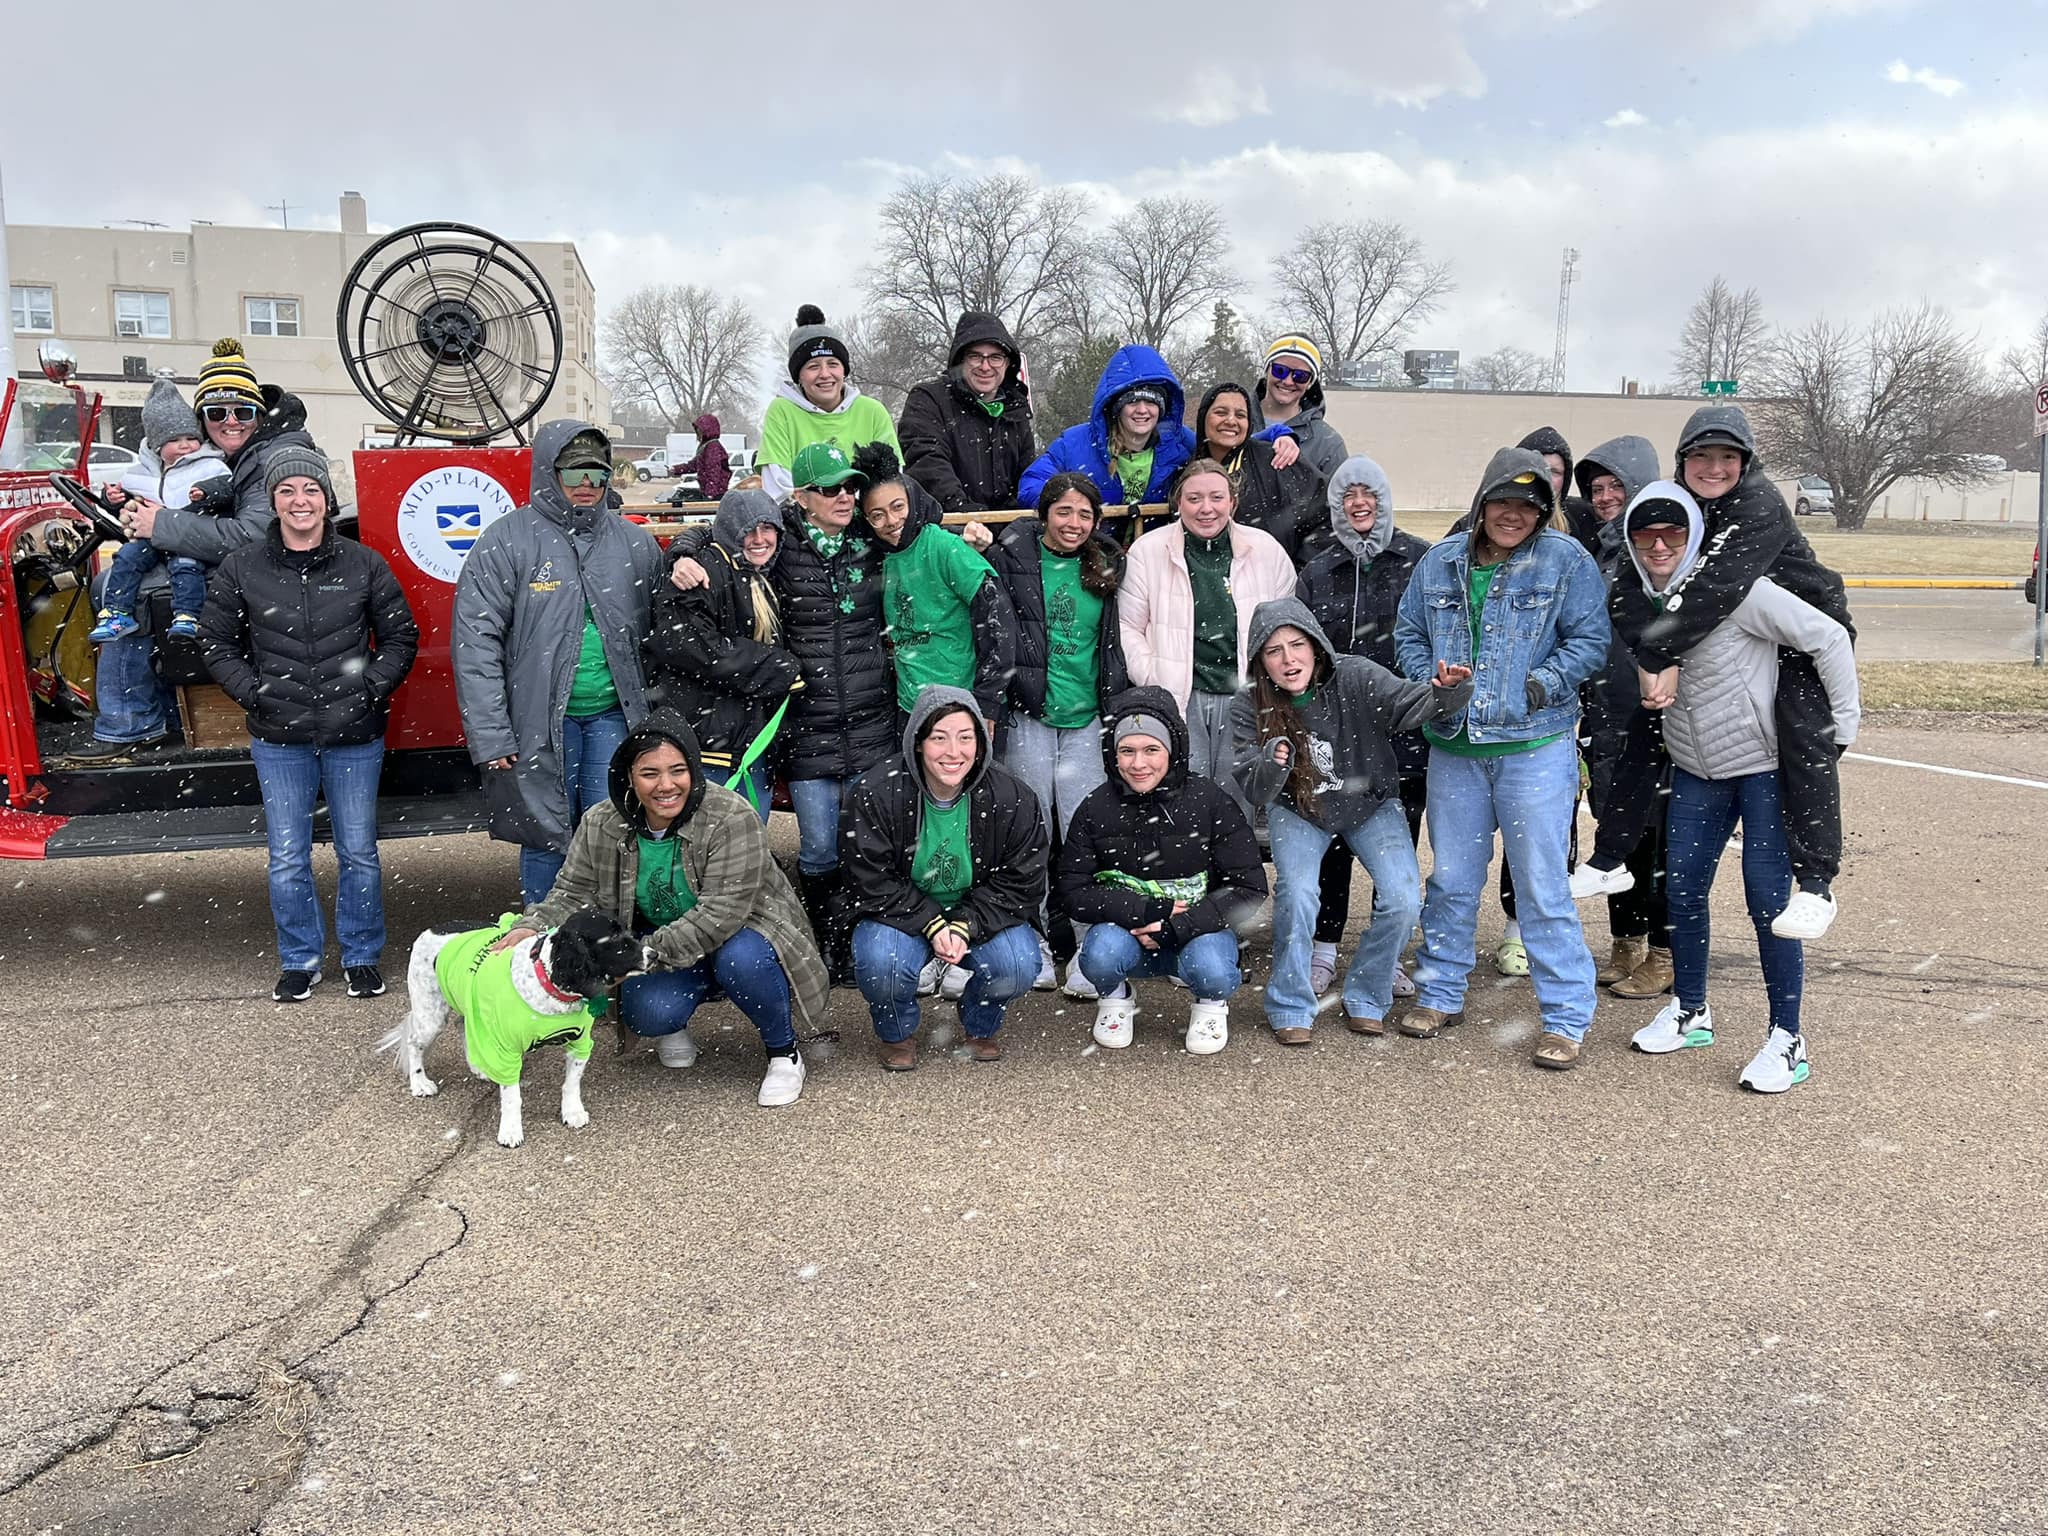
x=105 y=463
x=1813 y=494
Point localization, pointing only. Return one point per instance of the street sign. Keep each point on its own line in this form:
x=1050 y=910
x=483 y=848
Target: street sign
x=2041 y=411
x=1717 y=386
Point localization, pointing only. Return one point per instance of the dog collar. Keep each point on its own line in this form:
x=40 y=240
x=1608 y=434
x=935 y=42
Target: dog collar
x=547 y=985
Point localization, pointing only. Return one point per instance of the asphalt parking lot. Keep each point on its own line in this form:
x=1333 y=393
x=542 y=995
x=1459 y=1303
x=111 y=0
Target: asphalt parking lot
x=1384 y=1285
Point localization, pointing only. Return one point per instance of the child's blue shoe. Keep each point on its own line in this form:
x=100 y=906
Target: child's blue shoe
x=115 y=626
x=185 y=626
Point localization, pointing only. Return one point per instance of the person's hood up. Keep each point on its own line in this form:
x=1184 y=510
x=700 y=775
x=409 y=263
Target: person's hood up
x=933 y=700
x=1129 y=366
x=1671 y=493
x=662 y=725
x=1157 y=702
x=1360 y=470
x=706 y=428
x=1550 y=440
x=1631 y=460
x=1718 y=423
x=979 y=326
x=1288 y=613
x=787 y=389
x=549 y=443
x=739 y=514
x=1505 y=468
x=1226 y=387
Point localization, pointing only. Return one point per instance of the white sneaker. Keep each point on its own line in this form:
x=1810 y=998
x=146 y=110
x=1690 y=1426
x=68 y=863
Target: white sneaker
x=1048 y=974
x=1404 y=984
x=678 y=1050
x=1208 y=1028
x=1779 y=1065
x=954 y=982
x=928 y=978
x=784 y=1082
x=1587 y=881
x=1806 y=916
x=1078 y=986
x=1675 y=1030
x=1322 y=967
x=1114 y=1017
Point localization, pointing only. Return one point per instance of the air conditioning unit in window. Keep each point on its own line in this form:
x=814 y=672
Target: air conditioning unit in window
x=127 y=327
x=135 y=368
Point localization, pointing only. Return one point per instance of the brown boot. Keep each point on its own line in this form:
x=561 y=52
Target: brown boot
x=1427 y=1023
x=1652 y=978
x=984 y=1048
x=1628 y=954
x=1294 y=1035
x=899 y=1055
x=1556 y=1052
x=1359 y=1025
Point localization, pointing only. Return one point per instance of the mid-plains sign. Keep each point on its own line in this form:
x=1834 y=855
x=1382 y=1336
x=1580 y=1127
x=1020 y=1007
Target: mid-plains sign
x=443 y=515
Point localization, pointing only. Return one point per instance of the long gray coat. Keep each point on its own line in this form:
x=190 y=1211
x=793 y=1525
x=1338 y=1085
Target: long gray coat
x=518 y=629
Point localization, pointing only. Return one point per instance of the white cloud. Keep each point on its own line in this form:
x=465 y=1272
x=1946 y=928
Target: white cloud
x=1213 y=97
x=1940 y=84
x=1627 y=117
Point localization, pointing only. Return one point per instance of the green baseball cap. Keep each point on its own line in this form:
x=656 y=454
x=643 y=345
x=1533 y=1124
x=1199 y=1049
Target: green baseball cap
x=822 y=464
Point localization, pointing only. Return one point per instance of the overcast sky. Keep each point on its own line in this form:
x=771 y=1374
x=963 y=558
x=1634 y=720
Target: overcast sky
x=1840 y=155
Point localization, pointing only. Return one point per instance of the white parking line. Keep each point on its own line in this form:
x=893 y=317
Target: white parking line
x=1960 y=773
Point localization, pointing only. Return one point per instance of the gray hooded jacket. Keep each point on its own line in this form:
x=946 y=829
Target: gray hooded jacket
x=1322 y=446
x=518 y=631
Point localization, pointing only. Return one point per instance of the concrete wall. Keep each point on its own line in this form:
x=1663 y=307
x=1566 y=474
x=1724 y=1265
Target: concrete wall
x=1434 y=444
x=2007 y=498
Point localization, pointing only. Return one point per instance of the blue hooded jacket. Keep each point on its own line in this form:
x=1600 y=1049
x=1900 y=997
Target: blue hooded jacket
x=1086 y=447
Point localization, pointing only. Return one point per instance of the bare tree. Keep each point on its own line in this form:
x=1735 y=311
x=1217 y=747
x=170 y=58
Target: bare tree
x=1508 y=369
x=1359 y=288
x=887 y=360
x=679 y=350
x=1161 y=263
x=1865 y=409
x=1724 y=336
x=1000 y=243
x=2010 y=424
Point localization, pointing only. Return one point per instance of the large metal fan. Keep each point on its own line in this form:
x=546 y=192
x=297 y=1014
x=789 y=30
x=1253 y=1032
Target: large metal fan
x=450 y=332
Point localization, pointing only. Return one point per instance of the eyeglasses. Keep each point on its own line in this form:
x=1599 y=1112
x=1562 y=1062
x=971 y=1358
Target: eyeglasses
x=220 y=413
x=988 y=359
x=1650 y=538
x=582 y=479
x=1280 y=373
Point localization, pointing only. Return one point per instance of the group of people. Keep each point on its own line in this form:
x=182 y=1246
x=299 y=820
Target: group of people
x=998 y=737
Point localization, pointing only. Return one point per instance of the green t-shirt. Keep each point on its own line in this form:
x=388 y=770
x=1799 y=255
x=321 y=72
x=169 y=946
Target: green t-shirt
x=1134 y=470
x=1216 y=668
x=943 y=866
x=1073 y=634
x=498 y=1025
x=661 y=889
x=1479 y=584
x=591 y=690
x=926 y=590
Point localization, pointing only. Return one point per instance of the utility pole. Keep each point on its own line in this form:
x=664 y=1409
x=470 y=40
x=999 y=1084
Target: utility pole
x=1564 y=319
x=282 y=209
x=10 y=432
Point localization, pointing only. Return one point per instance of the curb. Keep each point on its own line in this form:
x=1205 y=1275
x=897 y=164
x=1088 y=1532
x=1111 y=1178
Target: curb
x=1944 y=583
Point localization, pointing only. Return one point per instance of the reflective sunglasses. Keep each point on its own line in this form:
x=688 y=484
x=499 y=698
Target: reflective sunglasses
x=577 y=479
x=1651 y=537
x=1282 y=374
x=220 y=413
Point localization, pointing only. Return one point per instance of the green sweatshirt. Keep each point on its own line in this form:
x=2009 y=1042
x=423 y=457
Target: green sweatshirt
x=1480 y=583
x=1073 y=638
x=499 y=1026
x=926 y=593
x=943 y=866
x=1216 y=669
x=789 y=427
x=591 y=690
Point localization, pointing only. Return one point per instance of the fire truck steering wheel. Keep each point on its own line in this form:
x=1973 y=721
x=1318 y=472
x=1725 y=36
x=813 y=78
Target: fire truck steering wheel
x=83 y=500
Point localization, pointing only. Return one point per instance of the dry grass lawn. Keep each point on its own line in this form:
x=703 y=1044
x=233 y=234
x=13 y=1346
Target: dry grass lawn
x=1955 y=687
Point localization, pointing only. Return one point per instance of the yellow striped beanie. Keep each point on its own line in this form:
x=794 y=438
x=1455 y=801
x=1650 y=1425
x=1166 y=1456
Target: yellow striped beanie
x=1299 y=347
x=226 y=377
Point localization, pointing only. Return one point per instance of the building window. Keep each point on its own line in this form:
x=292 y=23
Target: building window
x=35 y=309
x=141 y=314
x=272 y=317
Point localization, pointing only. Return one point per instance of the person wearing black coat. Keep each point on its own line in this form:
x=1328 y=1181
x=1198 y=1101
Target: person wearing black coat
x=945 y=855
x=1284 y=502
x=311 y=634
x=715 y=653
x=1165 y=869
x=1353 y=587
x=1061 y=571
x=966 y=435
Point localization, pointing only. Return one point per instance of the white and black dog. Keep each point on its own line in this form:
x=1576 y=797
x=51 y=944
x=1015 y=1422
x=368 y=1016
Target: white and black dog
x=538 y=992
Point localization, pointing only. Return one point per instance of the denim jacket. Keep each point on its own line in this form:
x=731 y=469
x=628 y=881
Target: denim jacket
x=1546 y=618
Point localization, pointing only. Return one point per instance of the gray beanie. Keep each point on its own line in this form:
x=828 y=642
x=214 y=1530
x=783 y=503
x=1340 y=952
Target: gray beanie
x=813 y=337
x=166 y=416
x=297 y=459
x=1145 y=725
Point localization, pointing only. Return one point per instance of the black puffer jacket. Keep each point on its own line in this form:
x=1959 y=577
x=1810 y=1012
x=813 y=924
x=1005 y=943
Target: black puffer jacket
x=1186 y=826
x=844 y=720
x=1016 y=557
x=1613 y=697
x=703 y=659
x=1006 y=837
x=288 y=637
x=967 y=458
x=1286 y=503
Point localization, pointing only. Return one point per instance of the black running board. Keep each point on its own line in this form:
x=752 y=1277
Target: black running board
x=241 y=826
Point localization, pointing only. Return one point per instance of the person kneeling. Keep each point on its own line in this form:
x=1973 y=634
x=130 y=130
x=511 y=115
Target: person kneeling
x=945 y=854
x=691 y=860
x=1164 y=866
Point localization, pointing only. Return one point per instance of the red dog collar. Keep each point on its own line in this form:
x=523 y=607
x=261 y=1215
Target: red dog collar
x=547 y=985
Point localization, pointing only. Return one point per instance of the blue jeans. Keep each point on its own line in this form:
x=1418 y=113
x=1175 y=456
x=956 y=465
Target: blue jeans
x=135 y=560
x=745 y=968
x=816 y=803
x=1207 y=963
x=1382 y=846
x=588 y=743
x=292 y=778
x=1703 y=813
x=130 y=701
x=1530 y=798
x=886 y=963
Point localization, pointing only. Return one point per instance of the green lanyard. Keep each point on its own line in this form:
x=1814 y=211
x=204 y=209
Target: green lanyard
x=742 y=782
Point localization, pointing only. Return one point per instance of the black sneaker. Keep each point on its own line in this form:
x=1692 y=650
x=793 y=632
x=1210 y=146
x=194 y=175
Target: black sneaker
x=294 y=986
x=365 y=981
x=98 y=751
